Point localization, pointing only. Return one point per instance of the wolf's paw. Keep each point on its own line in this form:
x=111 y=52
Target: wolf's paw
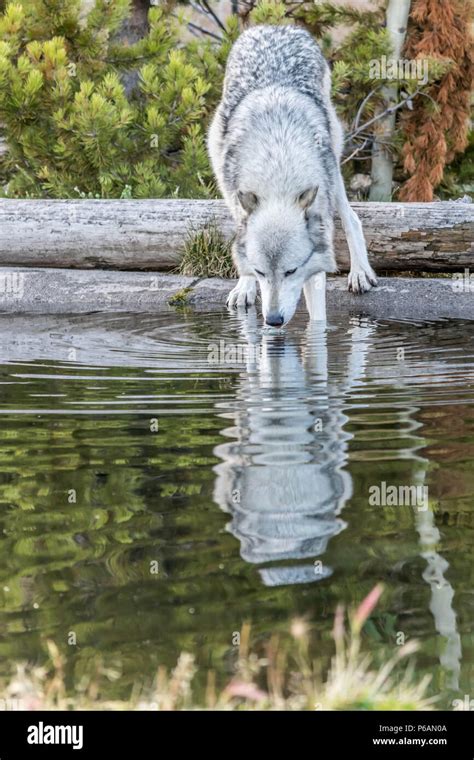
x=244 y=294
x=361 y=280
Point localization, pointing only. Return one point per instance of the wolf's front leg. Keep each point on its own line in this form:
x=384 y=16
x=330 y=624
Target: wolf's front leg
x=315 y=296
x=361 y=275
x=244 y=294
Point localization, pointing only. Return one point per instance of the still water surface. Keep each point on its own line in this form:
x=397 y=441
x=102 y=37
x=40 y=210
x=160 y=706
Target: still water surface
x=164 y=478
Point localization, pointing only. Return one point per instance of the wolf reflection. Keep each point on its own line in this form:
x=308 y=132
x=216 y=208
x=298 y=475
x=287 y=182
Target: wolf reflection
x=282 y=477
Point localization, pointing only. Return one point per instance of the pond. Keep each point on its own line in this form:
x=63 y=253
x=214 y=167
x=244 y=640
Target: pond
x=166 y=478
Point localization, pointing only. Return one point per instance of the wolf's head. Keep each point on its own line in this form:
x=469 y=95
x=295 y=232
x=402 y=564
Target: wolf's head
x=284 y=243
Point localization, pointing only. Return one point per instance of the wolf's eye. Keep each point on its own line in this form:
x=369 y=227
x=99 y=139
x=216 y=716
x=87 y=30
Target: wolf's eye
x=290 y=271
x=260 y=273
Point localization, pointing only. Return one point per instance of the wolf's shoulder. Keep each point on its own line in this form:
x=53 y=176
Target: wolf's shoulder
x=266 y=56
x=273 y=33
x=273 y=39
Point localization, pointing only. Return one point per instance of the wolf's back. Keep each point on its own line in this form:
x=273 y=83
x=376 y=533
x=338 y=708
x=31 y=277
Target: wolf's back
x=286 y=56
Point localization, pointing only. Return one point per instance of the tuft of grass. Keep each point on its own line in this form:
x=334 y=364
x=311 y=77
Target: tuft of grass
x=207 y=253
x=284 y=677
x=180 y=298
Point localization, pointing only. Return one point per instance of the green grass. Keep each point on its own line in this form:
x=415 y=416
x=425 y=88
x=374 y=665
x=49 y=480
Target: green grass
x=207 y=253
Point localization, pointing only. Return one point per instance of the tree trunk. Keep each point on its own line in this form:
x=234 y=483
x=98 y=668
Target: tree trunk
x=382 y=162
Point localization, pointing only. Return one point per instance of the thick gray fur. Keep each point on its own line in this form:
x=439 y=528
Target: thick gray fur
x=275 y=144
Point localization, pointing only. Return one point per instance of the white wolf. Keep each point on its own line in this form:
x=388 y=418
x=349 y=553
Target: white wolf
x=275 y=144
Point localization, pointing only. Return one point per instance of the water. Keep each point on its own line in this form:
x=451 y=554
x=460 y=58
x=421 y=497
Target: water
x=165 y=478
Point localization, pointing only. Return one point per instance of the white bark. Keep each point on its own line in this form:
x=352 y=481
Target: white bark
x=382 y=162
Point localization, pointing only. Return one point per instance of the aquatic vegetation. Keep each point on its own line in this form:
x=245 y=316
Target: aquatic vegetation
x=180 y=298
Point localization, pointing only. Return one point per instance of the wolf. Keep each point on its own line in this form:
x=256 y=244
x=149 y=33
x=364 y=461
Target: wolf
x=275 y=144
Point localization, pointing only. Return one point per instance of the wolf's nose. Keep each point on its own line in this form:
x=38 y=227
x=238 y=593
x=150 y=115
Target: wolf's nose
x=274 y=320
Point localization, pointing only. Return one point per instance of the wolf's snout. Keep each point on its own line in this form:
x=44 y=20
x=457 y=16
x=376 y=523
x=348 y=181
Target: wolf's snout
x=274 y=319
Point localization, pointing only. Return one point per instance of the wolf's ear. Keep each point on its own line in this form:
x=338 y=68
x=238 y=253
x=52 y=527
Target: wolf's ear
x=248 y=201
x=306 y=199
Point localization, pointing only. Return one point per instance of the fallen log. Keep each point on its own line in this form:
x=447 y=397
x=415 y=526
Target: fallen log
x=150 y=234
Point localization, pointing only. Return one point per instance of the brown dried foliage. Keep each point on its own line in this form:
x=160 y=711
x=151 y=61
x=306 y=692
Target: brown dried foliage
x=435 y=135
